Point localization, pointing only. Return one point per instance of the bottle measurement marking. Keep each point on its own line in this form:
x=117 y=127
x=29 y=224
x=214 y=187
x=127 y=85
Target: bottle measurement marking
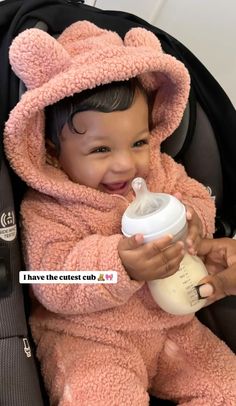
x=188 y=286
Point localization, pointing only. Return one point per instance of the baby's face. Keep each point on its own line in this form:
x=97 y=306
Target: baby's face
x=112 y=150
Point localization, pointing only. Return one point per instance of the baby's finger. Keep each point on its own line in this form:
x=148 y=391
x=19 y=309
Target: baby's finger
x=153 y=248
x=189 y=212
x=193 y=244
x=192 y=236
x=165 y=269
x=131 y=243
x=166 y=262
x=178 y=196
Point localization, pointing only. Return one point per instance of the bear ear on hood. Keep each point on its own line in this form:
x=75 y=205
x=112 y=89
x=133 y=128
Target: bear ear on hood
x=83 y=35
x=137 y=37
x=36 y=57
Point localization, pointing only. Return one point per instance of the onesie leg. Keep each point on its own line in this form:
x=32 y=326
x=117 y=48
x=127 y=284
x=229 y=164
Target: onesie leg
x=205 y=376
x=86 y=373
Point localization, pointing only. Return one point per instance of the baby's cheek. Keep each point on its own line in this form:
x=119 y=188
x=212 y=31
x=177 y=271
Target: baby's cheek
x=146 y=165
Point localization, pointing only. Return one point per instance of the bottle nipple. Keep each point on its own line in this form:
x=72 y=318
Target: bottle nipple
x=145 y=202
x=153 y=214
x=139 y=186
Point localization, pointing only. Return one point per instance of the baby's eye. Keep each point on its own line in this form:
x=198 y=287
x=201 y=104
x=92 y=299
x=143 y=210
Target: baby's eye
x=140 y=143
x=100 y=150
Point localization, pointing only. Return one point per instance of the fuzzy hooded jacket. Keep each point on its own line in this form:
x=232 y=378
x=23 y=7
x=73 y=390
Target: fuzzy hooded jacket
x=68 y=226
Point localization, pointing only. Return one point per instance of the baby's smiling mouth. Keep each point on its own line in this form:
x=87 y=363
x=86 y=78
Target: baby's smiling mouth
x=116 y=187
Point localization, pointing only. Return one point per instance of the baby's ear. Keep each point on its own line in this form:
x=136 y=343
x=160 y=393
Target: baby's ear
x=52 y=154
x=51 y=148
x=36 y=57
x=141 y=37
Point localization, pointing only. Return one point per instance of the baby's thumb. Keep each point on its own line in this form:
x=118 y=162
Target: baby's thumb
x=134 y=242
x=178 y=195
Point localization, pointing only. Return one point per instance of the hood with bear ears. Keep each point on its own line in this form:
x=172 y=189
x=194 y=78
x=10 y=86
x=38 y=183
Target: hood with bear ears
x=83 y=57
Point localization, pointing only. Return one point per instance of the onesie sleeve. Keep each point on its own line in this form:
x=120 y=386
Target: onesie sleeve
x=194 y=194
x=51 y=246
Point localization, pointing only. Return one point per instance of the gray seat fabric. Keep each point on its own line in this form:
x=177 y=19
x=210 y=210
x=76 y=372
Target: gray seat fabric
x=17 y=364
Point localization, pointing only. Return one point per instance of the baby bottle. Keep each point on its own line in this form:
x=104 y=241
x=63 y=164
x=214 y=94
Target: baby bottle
x=155 y=215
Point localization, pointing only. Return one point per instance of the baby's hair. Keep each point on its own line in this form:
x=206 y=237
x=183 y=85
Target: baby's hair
x=115 y=96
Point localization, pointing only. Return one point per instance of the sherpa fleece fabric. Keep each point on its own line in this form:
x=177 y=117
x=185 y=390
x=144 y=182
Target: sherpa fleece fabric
x=103 y=344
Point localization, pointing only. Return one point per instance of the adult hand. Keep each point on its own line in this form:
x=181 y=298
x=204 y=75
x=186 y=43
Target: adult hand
x=219 y=256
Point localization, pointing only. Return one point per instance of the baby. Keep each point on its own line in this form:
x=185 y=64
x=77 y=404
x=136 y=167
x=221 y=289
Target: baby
x=108 y=104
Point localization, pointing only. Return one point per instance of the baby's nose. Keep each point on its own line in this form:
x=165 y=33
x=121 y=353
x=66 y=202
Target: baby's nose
x=123 y=162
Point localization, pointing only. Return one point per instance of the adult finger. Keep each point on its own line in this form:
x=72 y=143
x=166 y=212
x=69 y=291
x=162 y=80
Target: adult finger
x=223 y=284
x=209 y=244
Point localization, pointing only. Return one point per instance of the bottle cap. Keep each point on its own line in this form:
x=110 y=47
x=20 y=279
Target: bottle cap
x=153 y=214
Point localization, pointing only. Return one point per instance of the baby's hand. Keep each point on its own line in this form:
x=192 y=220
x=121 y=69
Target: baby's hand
x=154 y=260
x=194 y=231
x=194 y=236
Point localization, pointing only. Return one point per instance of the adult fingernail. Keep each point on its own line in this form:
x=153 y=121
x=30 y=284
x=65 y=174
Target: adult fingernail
x=204 y=290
